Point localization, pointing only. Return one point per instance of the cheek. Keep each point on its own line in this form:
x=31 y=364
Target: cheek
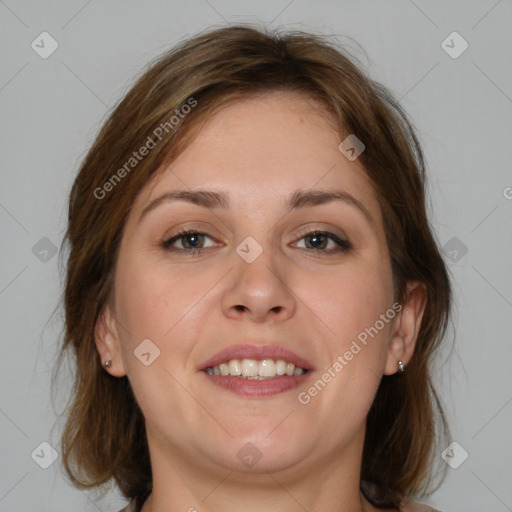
x=154 y=302
x=152 y=296
x=355 y=344
x=166 y=304
x=351 y=302
x=141 y=303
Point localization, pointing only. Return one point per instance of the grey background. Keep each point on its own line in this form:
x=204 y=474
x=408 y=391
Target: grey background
x=462 y=108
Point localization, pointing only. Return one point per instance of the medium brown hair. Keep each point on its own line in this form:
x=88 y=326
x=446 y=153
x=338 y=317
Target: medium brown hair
x=104 y=436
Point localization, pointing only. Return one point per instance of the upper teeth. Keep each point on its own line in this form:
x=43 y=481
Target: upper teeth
x=253 y=369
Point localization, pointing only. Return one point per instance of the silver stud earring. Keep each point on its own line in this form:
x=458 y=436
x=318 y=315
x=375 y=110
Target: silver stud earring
x=108 y=363
x=401 y=367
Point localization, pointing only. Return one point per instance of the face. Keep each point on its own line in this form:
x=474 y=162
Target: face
x=273 y=271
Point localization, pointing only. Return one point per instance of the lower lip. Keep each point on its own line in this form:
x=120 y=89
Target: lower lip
x=257 y=388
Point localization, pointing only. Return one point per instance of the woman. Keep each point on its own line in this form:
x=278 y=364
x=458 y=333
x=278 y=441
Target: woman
x=254 y=294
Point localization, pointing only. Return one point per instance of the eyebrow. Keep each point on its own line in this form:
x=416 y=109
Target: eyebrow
x=299 y=199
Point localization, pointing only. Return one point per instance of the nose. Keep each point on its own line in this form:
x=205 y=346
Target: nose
x=260 y=290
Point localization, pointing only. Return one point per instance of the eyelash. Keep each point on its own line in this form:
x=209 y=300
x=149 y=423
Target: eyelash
x=344 y=245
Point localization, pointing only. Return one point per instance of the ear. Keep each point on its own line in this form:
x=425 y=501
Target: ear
x=406 y=326
x=106 y=338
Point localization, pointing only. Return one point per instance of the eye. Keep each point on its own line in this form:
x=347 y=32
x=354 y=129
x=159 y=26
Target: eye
x=318 y=241
x=189 y=239
x=192 y=241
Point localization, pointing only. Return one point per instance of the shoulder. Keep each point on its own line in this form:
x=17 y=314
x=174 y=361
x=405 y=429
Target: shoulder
x=409 y=505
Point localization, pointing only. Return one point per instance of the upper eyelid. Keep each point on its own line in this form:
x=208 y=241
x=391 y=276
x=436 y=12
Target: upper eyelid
x=306 y=228
x=309 y=230
x=302 y=232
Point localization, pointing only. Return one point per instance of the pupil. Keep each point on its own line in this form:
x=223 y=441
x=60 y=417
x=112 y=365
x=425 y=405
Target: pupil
x=192 y=237
x=316 y=237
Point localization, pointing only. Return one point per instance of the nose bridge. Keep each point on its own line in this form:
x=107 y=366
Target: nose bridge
x=256 y=261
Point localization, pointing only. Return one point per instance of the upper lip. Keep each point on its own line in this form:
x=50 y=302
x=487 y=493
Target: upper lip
x=251 y=351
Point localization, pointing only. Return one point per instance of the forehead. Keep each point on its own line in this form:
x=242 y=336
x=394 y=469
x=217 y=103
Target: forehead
x=262 y=147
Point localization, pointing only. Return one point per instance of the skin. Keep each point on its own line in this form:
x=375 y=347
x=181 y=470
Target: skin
x=314 y=301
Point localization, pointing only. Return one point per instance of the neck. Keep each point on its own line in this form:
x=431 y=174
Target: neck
x=330 y=482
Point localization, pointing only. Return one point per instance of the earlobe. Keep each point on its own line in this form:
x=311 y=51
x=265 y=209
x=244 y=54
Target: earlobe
x=406 y=328
x=107 y=342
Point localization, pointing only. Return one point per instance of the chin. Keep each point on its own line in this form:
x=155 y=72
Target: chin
x=272 y=447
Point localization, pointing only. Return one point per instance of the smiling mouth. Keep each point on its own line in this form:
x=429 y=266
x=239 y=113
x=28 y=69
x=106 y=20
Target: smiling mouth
x=254 y=369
